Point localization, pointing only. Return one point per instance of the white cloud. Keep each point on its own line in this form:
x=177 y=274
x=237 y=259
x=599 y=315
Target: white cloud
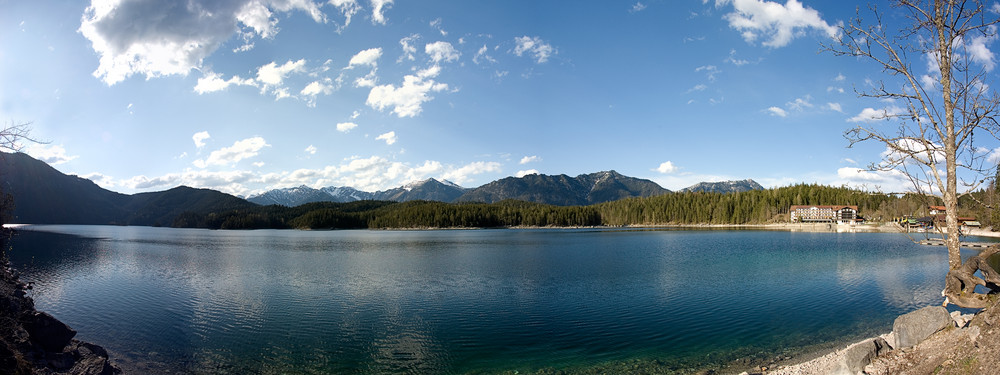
x=523 y=173
x=369 y=80
x=101 y=180
x=698 y=87
x=638 y=7
x=800 y=104
x=775 y=111
x=240 y=150
x=441 y=51
x=409 y=50
x=51 y=154
x=534 y=46
x=839 y=77
x=274 y=75
x=407 y=99
x=345 y=127
x=311 y=150
x=980 y=52
x=666 y=167
x=389 y=137
x=481 y=56
x=161 y=38
x=437 y=25
x=776 y=23
x=464 y=174
x=231 y=182
x=710 y=71
x=914 y=149
x=348 y=8
x=929 y=82
x=212 y=82
x=318 y=87
x=378 y=10
x=872 y=114
x=530 y=159
x=834 y=107
x=199 y=138
x=887 y=181
x=366 y=57
x=735 y=61
x=325 y=86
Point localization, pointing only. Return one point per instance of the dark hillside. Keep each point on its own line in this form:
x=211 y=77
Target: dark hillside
x=43 y=195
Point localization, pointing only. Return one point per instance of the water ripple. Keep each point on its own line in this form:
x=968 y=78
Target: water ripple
x=468 y=301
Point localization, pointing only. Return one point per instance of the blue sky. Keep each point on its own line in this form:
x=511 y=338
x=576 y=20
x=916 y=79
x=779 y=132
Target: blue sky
x=247 y=95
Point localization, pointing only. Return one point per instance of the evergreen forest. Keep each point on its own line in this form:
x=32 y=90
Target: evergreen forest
x=685 y=208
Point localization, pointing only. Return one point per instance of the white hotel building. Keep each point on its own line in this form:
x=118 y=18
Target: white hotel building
x=824 y=214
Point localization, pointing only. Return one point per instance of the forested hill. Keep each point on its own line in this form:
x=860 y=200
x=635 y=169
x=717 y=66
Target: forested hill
x=43 y=195
x=751 y=207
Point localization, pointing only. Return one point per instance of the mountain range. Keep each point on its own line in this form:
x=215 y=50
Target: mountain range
x=559 y=190
x=43 y=195
x=428 y=190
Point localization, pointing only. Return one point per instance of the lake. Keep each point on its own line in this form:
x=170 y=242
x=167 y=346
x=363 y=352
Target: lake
x=469 y=301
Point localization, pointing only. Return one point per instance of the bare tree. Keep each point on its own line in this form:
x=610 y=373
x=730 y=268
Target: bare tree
x=13 y=134
x=936 y=81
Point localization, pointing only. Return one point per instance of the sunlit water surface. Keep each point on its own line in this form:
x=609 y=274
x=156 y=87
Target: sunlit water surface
x=484 y=301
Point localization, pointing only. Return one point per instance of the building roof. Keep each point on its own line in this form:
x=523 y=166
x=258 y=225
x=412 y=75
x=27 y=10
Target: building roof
x=938 y=208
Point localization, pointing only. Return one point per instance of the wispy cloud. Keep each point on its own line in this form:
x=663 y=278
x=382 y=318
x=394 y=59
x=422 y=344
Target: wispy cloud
x=872 y=114
x=535 y=47
x=777 y=111
x=240 y=150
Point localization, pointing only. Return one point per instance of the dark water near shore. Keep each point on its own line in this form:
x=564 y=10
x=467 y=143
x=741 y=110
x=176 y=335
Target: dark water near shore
x=484 y=301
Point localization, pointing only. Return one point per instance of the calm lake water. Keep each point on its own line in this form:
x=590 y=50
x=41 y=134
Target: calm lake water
x=476 y=301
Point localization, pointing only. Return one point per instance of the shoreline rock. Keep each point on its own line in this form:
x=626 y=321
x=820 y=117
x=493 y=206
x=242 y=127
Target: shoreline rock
x=34 y=342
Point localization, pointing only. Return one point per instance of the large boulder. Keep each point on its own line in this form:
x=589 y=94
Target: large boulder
x=855 y=357
x=48 y=332
x=913 y=327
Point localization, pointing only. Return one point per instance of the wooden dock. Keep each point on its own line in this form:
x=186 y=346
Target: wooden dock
x=967 y=245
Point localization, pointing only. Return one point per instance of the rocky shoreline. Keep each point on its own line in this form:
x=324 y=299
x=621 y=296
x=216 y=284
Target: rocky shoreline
x=925 y=341
x=34 y=342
